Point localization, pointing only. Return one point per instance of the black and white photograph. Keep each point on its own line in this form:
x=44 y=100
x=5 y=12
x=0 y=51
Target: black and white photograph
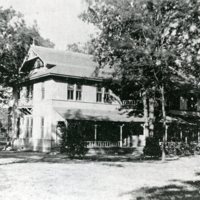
x=100 y=99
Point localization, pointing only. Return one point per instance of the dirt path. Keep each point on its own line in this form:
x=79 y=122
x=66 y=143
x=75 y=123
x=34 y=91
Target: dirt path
x=23 y=179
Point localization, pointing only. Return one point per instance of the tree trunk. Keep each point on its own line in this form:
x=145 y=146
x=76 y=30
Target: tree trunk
x=151 y=116
x=14 y=113
x=145 y=110
x=164 y=122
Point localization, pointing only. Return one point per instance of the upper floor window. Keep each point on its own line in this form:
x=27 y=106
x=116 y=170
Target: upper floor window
x=174 y=102
x=43 y=90
x=106 y=95
x=70 y=92
x=29 y=126
x=29 y=94
x=42 y=127
x=103 y=95
x=99 y=94
x=192 y=103
x=78 y=92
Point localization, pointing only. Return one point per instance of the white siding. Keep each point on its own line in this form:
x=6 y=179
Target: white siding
x=88 y=93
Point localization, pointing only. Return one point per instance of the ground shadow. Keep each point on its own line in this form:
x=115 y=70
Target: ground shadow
x=177 y=190
x=30 y=157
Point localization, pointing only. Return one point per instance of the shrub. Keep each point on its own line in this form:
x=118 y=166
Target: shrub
x=73 y=142
x=152 y=147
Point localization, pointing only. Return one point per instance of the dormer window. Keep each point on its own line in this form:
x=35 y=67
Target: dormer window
x=70 y=92
x=38 y=64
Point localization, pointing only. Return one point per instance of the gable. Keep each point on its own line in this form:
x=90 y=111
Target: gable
x=33 y=64
x=61 y=63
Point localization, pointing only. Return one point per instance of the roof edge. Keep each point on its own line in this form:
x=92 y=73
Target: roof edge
x=66 y=76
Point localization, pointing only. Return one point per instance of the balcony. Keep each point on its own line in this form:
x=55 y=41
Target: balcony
x=185 y=113
x=25 y=102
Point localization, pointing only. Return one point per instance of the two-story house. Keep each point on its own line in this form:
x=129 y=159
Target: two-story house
x=64 y=87
x=184 y=107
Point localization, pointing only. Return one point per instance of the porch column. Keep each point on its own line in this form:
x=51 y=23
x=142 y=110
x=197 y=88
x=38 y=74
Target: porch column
x=166 y=131
x=95 y=133
x=121 y=136
x=145 y=134
x=181 y=135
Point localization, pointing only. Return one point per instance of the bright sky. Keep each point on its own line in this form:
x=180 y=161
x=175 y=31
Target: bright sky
x=57 y=19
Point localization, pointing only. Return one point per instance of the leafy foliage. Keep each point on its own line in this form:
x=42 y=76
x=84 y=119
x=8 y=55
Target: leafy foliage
x=15 y=40
x=152 y=147
x=86 y=48
x=73 y=140
x=147 y=42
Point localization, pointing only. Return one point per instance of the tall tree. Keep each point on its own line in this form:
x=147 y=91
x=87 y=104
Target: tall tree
x=15 y=40
x=147 y=42
x=86 y=48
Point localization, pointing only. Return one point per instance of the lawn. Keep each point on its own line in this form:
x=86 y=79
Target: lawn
x=31 y=177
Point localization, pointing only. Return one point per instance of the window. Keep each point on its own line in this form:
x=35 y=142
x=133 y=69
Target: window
x=43 y=91
x=99 y=94
x=106 y=96
x=29 y=125
x=42 y=127
x=78 y=92
x=29 y=94
x=70 y=92
x=192 y=103
x=38 y=64
x=175 y=102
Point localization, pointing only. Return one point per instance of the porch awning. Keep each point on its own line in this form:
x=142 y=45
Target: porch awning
x=97 y=115
x=177 y=120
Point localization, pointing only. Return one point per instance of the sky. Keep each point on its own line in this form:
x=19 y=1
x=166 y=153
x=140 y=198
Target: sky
x=57 y=19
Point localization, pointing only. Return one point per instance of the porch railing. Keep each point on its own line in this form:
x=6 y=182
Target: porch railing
x=92 y=144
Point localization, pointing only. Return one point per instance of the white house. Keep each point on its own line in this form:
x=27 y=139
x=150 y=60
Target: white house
x=62 y=87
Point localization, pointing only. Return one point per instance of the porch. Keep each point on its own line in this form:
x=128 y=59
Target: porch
x=100 y=134
x=104 y=128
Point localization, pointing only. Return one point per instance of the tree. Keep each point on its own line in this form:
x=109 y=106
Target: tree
x=148 y=42
x=16 y=38
x=86 y=48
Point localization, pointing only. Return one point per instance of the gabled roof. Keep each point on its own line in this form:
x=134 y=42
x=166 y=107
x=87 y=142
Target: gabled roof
x=57 y=57
x=65 y=63
x=66 y=70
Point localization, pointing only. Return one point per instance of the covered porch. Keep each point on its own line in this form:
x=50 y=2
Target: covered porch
x=106 y=129
x=179 y=129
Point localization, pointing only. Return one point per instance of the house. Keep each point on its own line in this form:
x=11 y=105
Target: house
x=184 y=109
x=64 y=87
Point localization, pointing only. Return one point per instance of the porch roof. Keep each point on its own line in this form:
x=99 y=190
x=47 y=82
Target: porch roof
x=97 y=115
x=178 y=120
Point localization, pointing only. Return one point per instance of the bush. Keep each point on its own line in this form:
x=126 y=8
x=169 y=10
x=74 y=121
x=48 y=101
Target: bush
x=182 y=148
x=152 y=147
x=73 y=142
